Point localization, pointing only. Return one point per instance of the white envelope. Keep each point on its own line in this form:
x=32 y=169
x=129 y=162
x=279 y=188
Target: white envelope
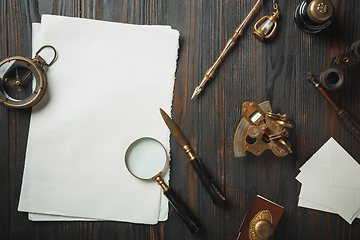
x=307 y=199
x=311 y=205
x=344 y=169
x=307 y=195
x=316 y=176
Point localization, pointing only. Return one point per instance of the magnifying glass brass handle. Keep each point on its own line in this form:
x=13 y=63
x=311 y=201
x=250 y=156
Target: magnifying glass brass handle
x=190 y=220
x=207 y=181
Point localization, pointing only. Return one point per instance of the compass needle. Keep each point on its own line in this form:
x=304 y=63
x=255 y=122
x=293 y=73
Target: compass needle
x=25 y=77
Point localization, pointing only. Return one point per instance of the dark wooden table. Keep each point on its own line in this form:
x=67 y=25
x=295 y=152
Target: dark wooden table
x=275 y=70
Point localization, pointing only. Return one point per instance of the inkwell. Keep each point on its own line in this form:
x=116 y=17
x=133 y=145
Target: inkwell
x=313 y=16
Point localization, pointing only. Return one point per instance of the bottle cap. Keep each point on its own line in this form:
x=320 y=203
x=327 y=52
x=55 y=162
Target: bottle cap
x=320 y=10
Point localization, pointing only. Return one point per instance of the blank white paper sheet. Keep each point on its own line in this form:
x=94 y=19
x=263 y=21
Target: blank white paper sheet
x=104 y=92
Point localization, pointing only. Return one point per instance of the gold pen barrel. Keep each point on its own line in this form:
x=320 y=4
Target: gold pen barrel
x=210 y=72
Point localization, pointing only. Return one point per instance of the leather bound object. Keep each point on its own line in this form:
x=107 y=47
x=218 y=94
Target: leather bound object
x=258 y=205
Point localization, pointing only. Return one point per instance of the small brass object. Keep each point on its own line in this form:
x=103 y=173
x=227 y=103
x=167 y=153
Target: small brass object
x=268 y=23
x=260 y=129
x=161 y=183
x=320 y=10
x=268 y=26
x=261 y=227
x=189 y=152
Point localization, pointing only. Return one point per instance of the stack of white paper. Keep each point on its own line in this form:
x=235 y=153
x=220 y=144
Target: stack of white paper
x=104 y=91
x=331 y=182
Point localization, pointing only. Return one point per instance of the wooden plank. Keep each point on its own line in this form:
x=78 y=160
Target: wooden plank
x=4 y=136
x=18 y=32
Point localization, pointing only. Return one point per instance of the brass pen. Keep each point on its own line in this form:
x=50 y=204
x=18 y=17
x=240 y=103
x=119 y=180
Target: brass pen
x=195 y=162
x=210 y=72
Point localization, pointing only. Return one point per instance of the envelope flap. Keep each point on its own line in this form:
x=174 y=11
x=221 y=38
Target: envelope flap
x=344 y=170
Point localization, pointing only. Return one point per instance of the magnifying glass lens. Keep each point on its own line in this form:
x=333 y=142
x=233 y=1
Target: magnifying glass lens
x=145 y=158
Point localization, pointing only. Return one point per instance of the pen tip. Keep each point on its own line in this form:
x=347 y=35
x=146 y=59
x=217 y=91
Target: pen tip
x=196 y=92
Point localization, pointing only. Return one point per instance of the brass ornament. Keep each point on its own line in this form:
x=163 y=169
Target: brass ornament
x=268 y=24
x=260 y=227
x=320 y=10
x=270 y=131
x=260 y=129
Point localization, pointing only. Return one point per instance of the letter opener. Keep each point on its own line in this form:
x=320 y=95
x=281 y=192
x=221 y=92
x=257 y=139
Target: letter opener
x=205 y=178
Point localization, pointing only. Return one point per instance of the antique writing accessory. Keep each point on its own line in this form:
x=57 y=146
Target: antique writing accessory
x=146 y=159
x=261 y=220
x=195 y=162
x=22 y=80
x=312 y=16
x=329 y=179
x=261 y=226
x=260 y=129
x=210 y=72
x=333 y=77
x=268 y=24
x=349 y=122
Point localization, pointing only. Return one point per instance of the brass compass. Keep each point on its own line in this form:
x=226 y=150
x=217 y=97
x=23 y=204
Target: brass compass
x=22 y=80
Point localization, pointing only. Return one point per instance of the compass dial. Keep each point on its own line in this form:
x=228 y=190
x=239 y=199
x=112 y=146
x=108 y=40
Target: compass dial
x=22 y=83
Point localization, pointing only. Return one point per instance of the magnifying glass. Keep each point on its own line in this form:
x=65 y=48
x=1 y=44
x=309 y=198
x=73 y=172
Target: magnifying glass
x=146 y=159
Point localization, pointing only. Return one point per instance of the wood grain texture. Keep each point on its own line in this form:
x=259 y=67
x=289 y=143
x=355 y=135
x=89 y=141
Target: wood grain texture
x=275 y=70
